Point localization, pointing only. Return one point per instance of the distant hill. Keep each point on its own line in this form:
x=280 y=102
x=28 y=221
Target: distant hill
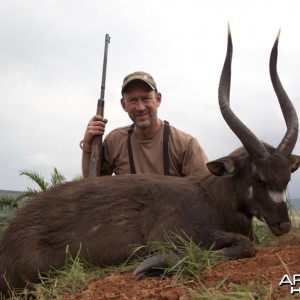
x=9 y=193
x=295 y=202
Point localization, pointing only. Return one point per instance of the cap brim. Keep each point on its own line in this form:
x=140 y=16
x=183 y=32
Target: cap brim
x=138 y=79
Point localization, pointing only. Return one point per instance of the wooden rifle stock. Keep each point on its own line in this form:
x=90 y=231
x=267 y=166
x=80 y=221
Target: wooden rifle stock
x=96 y=155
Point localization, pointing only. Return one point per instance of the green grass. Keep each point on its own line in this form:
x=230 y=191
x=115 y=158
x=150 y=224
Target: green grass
x=67 y=280
x=64 y=281
x=188 y=260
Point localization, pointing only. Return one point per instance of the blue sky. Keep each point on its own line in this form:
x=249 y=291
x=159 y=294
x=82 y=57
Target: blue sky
x=51 y=61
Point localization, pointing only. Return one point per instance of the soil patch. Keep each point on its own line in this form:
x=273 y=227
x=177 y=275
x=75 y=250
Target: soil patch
x=262 y=273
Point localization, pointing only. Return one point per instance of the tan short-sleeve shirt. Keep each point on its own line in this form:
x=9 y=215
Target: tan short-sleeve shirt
x=186 y=157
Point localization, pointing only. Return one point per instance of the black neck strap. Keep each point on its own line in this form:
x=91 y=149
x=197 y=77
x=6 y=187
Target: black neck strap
x=165 y=149
x=166 y=134
x=130 y=156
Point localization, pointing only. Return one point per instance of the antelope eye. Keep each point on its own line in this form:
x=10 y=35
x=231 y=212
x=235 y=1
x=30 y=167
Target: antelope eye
x=260 y=181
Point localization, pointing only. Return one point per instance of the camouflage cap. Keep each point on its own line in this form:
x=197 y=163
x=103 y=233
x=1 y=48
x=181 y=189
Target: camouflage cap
x=145 y=77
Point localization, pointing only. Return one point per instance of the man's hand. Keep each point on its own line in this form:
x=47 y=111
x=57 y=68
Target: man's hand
x=96 y=126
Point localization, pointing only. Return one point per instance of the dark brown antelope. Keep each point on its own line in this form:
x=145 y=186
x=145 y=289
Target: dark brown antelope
x=105 y=218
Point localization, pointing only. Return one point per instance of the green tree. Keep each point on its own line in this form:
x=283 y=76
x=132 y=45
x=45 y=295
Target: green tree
x=13 y=202
x=56 y=178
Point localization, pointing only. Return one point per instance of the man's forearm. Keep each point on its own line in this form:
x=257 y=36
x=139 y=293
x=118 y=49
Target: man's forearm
x=86 y=156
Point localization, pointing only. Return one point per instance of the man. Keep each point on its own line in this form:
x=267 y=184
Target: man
x=149 y=145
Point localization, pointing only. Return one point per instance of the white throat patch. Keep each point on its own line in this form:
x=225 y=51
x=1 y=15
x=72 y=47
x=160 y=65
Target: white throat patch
x=277 y=197
x=250 y=192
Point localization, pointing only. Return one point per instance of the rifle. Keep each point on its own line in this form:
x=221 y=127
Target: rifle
x=96 y=155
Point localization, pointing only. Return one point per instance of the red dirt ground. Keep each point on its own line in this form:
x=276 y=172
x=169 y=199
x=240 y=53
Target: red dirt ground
x=266 y=270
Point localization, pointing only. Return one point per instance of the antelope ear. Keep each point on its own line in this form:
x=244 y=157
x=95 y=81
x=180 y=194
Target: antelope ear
x=225 y=166
x=295 y=162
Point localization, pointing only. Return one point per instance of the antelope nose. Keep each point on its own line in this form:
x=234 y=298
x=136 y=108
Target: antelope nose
x=285 y=226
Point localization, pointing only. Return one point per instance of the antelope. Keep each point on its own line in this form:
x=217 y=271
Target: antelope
x=103 y=219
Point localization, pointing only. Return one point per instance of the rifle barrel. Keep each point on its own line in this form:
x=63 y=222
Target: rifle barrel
x=96 y=155
x=107 y=41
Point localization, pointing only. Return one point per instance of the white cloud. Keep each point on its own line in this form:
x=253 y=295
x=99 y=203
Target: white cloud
x=37 y=160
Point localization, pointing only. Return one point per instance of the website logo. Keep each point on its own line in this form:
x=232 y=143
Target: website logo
x=293 y=281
